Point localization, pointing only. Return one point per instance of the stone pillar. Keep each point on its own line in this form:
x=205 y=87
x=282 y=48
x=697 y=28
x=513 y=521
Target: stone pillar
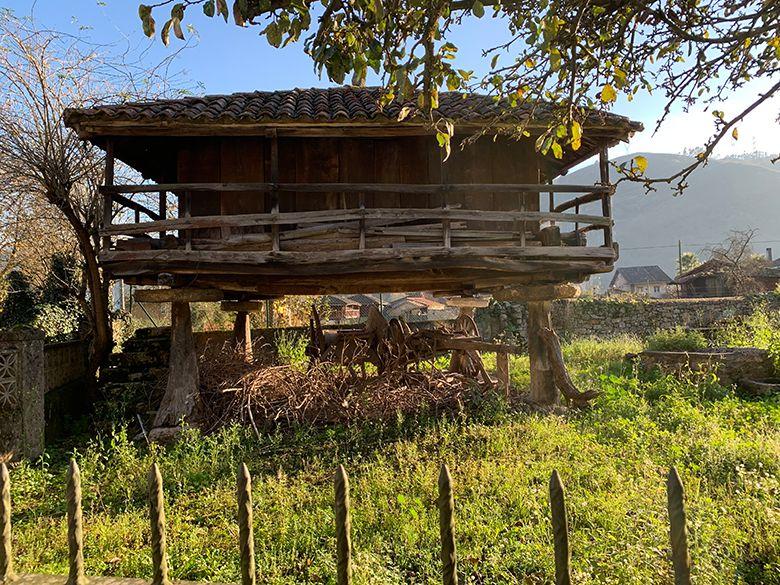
x=22 y=388
x=543 y=389
x=183 y=379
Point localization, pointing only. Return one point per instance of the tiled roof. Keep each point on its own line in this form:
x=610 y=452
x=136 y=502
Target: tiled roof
x=336 y=104
x=641 y=275
x=711 y=267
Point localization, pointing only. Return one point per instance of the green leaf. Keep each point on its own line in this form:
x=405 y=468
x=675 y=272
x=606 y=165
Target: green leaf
x=478 y=9
x=209 y=8
x=145 y=14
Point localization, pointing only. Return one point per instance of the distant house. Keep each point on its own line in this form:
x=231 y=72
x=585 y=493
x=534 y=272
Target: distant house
x=420 y=308
x=341 y=309
x=710 y=279
x=706 y=280
x=649 y=281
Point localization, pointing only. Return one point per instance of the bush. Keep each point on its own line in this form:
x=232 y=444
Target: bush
x=759 y=329
x=677 y=339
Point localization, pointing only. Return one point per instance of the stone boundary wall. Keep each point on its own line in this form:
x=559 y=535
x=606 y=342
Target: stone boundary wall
x=610 y=317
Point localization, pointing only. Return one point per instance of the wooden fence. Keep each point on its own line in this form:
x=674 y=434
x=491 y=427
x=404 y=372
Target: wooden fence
x=446 y=504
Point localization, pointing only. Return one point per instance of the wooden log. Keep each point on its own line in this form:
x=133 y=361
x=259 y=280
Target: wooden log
x=550 y=236
x=545 y=292
x=543 y=390
x=181 y=393
x=76 y=575
x=157 y=522
x=560 y=375
x=560 y=528
x=358 y=187
x=449 y=557
x=678 y=529
x=343 y=528
x=178 y=295
x=6 y=549
x=336 y=215
x=468 y=302
x=246 y=542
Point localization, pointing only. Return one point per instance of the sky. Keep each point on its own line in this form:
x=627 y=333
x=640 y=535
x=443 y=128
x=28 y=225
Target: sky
x=223 y=59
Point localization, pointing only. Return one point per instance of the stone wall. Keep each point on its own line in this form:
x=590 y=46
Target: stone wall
x=609 y=317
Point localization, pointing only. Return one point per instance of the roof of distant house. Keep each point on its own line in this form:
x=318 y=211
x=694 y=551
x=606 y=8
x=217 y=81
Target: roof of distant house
x=711 y=267
x=641 y=275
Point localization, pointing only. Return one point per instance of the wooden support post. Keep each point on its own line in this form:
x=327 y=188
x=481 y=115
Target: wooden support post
x=162 y=210
x=183 y=380
x=445 y=223
x=275 y=192
x=560 y=527
x=343 y=528
x=157 y=521
x=362 y=236
x=449 y=557
x=502 y=371
x=543 y=390
x=108 y=200
x=678 y=530
x=242 y=335
x=246 y=540
x=6 y=551
x=188 y=215
x=76 y=575
x=606 y=197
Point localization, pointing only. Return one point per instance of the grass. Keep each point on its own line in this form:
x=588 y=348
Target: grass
x=613 y=459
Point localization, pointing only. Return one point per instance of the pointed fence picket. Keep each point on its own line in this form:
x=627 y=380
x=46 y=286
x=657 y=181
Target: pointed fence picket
x=681 y=561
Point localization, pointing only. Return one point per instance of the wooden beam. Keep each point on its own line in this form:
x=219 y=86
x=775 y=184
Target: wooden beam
x=545 y=292
x=134 y=205
x=177 y=295
x=240 y=306
x=358 y=187
x=335 y=215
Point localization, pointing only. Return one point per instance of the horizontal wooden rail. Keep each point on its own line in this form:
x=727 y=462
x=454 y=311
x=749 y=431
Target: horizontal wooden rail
x=360 y=187
x=331 y=215
x=376 y=254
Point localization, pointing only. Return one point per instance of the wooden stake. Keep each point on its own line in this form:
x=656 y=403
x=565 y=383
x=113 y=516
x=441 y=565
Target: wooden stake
x=245 y=526
x=76 y=574
x=157 y=521
x=560 y=527
x=678 y=531
x=6 y=552
x=449 y=558
x=343 y=527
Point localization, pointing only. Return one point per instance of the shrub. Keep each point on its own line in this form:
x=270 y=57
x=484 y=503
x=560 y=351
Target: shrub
x=677 y=339
x=759 y=329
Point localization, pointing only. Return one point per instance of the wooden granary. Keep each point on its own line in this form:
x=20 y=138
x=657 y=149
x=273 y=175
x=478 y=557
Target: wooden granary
x=255 y=195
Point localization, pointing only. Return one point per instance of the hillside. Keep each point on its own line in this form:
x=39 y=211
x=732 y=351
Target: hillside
x=727 y=194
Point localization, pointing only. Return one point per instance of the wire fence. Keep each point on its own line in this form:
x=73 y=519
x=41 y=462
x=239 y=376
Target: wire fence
x=678 y=532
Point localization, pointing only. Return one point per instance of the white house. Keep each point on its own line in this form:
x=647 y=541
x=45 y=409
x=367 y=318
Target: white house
x=648 y=281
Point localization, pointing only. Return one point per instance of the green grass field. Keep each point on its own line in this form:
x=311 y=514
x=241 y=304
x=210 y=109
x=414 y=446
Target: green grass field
x=613 y=460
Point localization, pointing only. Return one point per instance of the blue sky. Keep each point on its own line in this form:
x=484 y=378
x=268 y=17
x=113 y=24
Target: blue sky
x=225 y=59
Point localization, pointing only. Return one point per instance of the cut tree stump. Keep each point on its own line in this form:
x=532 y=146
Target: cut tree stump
x=183 y=380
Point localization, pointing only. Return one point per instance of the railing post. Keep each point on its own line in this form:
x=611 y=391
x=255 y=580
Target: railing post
x=76 y=574
x=162 y=210
x=245 y=526
x=6 y=551
x=449 y=557
x=560 y=528
x=606 y=196
x=108 y=199
x=157 y=521
x=275 y=243
x=678 y=531
x=343 y=528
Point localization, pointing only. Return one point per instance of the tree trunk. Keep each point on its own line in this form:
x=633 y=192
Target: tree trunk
x=543 y=389
x=183 y=380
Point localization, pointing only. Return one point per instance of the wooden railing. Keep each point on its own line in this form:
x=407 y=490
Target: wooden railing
x=423 y=225
x=678 y=532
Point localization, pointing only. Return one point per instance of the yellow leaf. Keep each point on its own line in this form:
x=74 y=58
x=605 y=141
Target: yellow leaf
x=735 y=134
x=641 y=163
x=557 y=150
x=608 y=94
